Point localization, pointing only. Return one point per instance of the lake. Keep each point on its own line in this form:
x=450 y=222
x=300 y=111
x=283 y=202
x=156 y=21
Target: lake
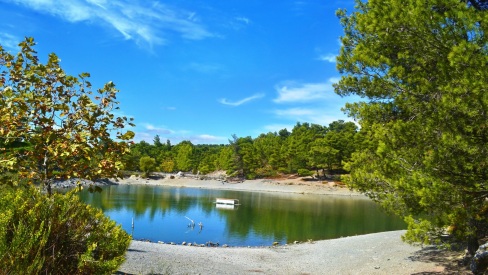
x=163 y=213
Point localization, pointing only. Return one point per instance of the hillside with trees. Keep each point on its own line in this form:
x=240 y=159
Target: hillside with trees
x=308 y=149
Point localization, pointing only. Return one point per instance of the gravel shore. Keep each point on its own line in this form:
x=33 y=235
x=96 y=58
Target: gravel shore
x=379 y=253
x=285 y=185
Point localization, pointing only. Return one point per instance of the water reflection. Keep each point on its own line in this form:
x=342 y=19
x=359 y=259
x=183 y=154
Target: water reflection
x=160 y=213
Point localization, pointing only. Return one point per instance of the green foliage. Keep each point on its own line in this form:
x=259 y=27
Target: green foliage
x=58 y=234
x=322 y=155
x=421 y=67
x=266 y=171
x=168 y=166
x=147 y=165
x=296 y=147
x=184 y=154
x=51 y=125
x=304 y=172
x=308 y=146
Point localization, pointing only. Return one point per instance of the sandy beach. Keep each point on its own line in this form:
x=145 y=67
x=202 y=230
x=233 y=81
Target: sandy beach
x=284 y=185
x=379 y=253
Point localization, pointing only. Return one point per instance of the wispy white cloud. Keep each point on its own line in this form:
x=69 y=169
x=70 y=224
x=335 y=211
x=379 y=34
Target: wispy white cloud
x=245 y=20
x=192 y=16
x=331 y=58
x=310 y=102
x=143 y=136
x=8 y=41
x=242 y=101
x=157 y=130
x=318 y=115
x=295 y=112
x=238 y=23
x=208 y=139
x=292 y=92
x=169 y=108
x=101 y=3
x=149 y=131
x=145 y=22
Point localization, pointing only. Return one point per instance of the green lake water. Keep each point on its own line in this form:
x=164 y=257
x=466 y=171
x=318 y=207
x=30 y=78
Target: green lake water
x=163 y=214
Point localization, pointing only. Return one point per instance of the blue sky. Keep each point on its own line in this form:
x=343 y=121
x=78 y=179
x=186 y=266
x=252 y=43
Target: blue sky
x=197 y=70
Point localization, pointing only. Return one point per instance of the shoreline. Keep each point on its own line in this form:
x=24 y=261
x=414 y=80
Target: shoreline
x=293 y=185
x=377 y=253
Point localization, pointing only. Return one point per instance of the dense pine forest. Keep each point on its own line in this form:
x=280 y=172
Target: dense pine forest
x=308 y=149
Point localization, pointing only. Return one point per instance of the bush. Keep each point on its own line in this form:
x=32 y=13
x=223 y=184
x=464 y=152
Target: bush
x=251 y=176
x=56 y=235
x=147 y=165
x=304 y=172
x=266 y=171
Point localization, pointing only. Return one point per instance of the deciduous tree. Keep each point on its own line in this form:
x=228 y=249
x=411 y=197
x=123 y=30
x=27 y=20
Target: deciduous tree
x=147 y=165
x=52 y=126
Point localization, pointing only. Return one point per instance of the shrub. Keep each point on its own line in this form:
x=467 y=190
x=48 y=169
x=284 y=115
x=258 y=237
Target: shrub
x=283 y=170
x=266 y=171
x=147 y=165
x=304 y=172
x=56 y=235
x=251 y=176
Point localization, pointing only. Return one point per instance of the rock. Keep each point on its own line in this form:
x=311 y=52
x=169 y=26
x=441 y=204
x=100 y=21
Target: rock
x=276 y=243
x=225 y=245
x=479 y=263
x=212 y=244
x=183 y=243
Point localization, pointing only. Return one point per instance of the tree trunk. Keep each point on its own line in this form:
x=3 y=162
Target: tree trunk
x=473 y=245
x=48 y=188
x=47 y=181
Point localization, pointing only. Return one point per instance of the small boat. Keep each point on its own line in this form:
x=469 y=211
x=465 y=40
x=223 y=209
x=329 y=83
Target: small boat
x=227 y=201
x=226 y=206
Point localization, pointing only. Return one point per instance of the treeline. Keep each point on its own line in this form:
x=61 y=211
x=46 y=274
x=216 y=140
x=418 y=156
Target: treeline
x=307 y=149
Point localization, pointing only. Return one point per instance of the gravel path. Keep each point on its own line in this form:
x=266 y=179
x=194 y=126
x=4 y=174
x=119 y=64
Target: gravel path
x=380 y=253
